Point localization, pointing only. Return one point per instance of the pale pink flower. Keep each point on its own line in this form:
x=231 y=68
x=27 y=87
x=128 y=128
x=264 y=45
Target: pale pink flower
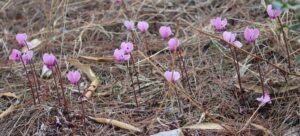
x=73 y=77
x=120 y=55
x=127 y=47
x=27 y=56
x=238 y=44
x=264 y=99
x=21 y=39
x=251 y=34
x=49 y=60
x=218 y=23
x=173 y=44
x=129 y=25
x=172 y=76
x=15 y=55
x=118 y=2
x=143 y=26
x=229 y=36
x=165 y=32
x=273 y=13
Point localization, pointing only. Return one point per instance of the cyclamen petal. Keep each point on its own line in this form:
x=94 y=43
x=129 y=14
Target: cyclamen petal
x=143 y=26
x=129 y=25
x=229 y=37
x=15 y=55
x=27 y=56
x=73 y=77
x=120 y=56
x=127 y=47
x=21 y=39
x=173 y=44
x=165 y=32
x=49 y=60
x=238 y=44
x=251 y=34
x=273 y=13
x=172 y=76
x=218 y=23
x=264 y=99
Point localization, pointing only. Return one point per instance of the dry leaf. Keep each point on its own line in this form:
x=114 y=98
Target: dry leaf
x=35 y=45
x=206 y=126
x=116 y=123
x=175 y=132
x=90 y=74
x=98 y=59
x=9 y=94
x=265 y=130
x=7 y=111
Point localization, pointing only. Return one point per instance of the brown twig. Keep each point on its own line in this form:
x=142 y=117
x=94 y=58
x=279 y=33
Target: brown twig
x=132 y=85
x=62 y=86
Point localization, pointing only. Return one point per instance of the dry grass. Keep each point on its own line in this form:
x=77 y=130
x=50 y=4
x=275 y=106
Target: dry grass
x=71 y=28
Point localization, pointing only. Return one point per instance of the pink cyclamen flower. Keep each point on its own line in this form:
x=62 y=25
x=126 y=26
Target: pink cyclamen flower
x=251 y=34
x=229 y=36
x=26 y=57
x=273 y=13
x=165 y=32
x=21 y=39
x=143 y=26
x=49 y=60
x=15 y=55
x=127 y=47
x=173 y=44
x=120 y=55
x=264 y=99
x=172 y=76
x=218 y=23
x=73 y=77
x=129 y=25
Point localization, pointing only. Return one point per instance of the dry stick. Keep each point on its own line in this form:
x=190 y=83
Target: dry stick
x=242 y=50
x=250 y=119
x=259 y=70
x=82 y=108
x=285 y=43
x=27 y=75
x=132 y=84
x=187 y=96
x=185 y=71
x=61 y=85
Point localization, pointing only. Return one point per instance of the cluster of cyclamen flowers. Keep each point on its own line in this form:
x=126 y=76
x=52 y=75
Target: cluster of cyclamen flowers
x=49 y=60
x=250 y=35
x=123 y=53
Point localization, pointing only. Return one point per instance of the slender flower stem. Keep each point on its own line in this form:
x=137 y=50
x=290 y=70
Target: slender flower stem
x=37 y=84
x=179 y=104
x=236 y=65
x=56 y=87
x=136 y=73
x=173 y=69
x=27 y=75
x=82 y=106
x=132 y=84
x=185 y=71
x=62 y=87
x=35 y=80
x=259 y=70
x=285 y=43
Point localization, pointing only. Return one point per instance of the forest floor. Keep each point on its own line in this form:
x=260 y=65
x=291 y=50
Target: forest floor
x=207 y=100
